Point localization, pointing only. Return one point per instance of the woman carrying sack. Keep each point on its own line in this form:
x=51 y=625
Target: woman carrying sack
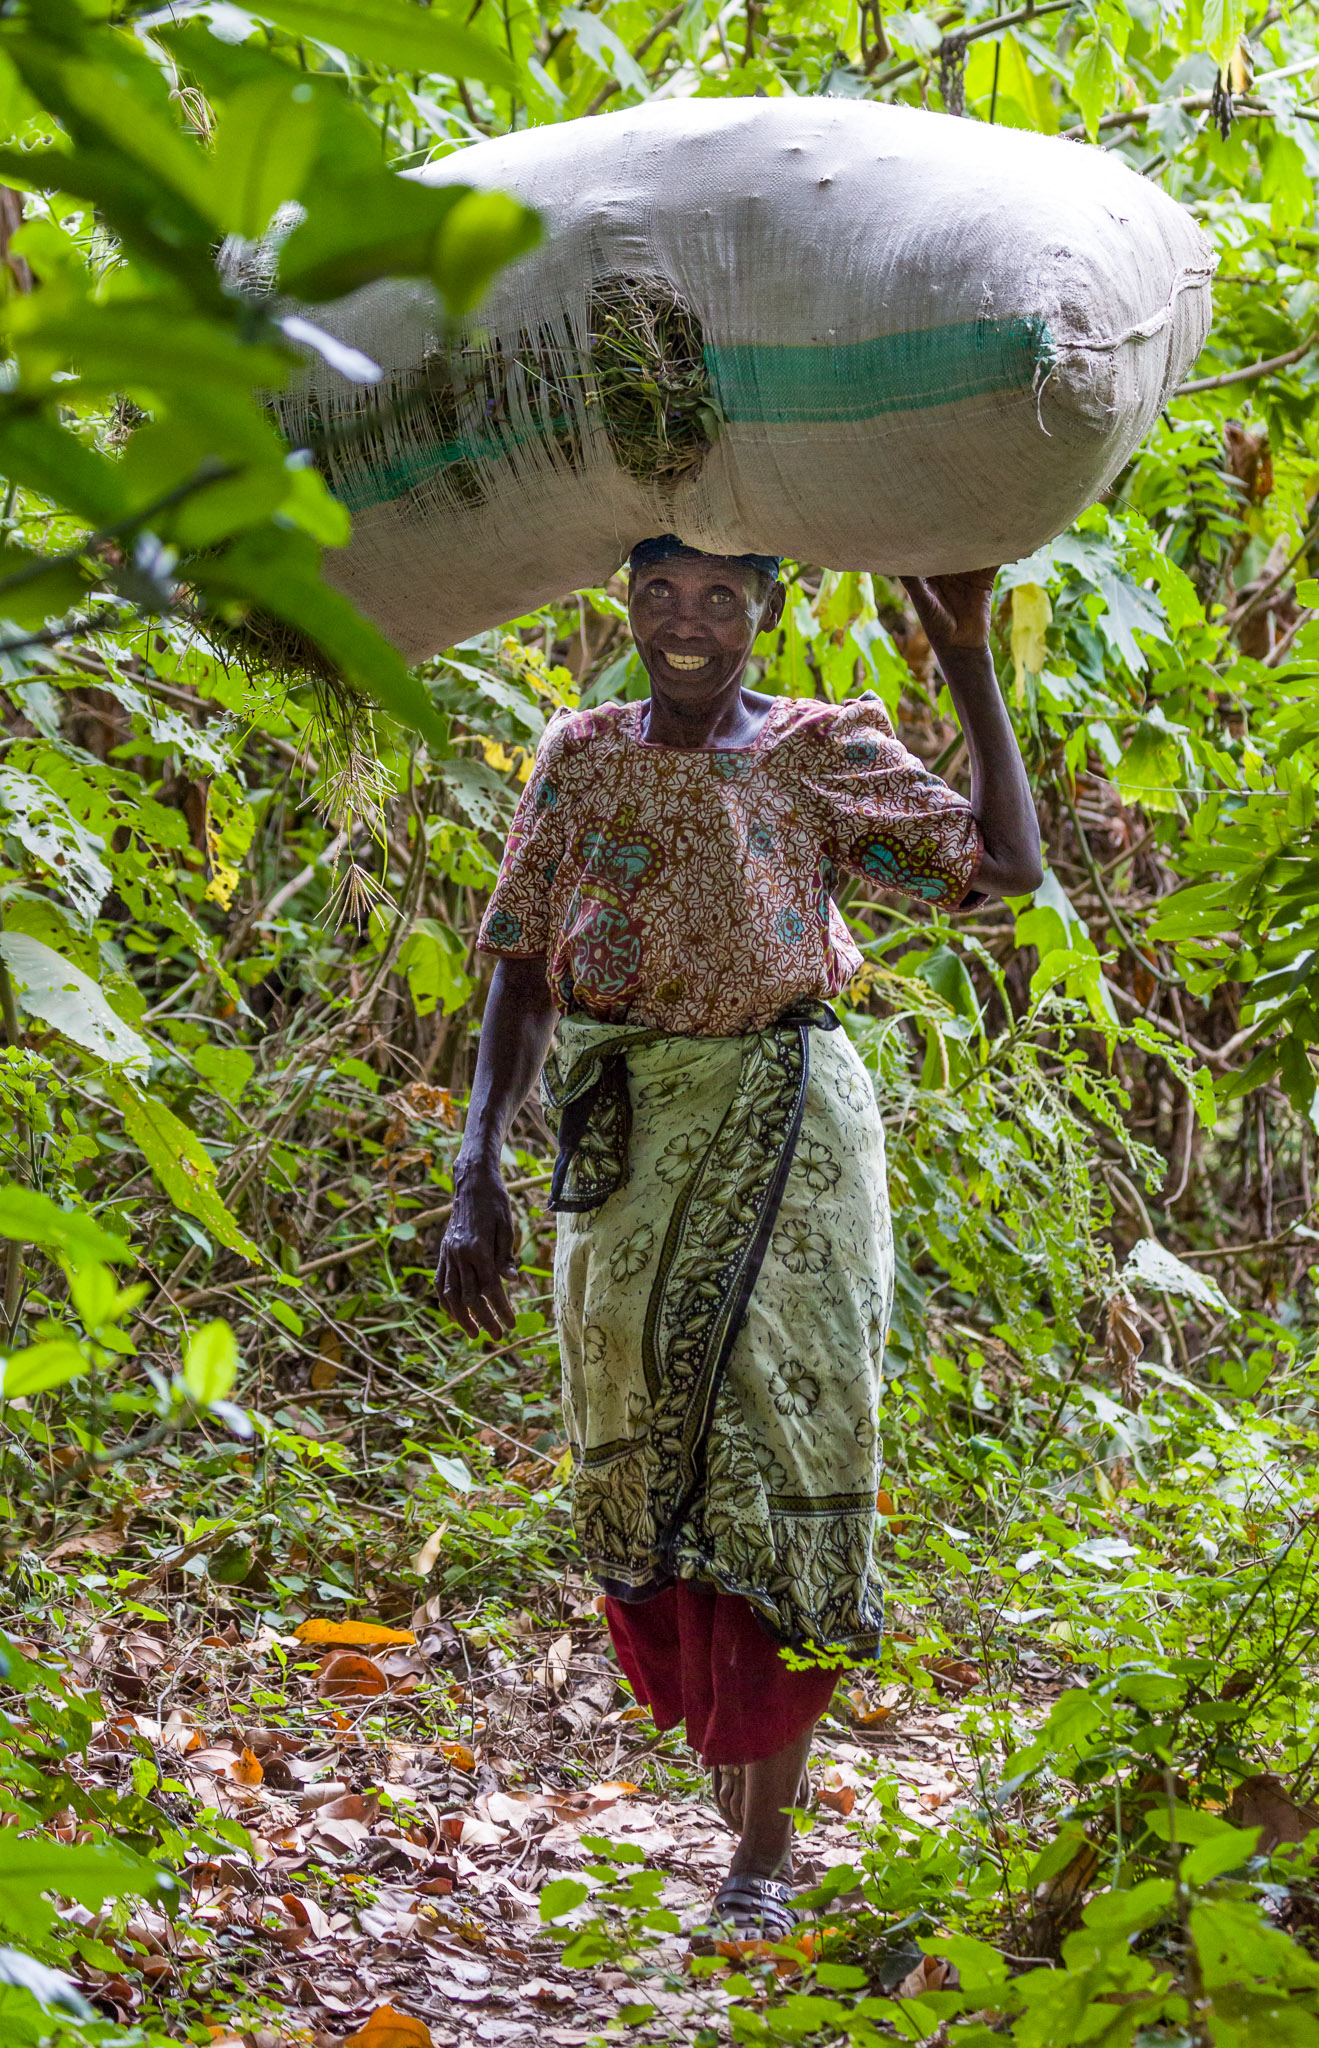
x=668 y=946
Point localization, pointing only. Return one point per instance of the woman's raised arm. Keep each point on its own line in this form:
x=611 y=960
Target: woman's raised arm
x=954 y=610
x=476 y=1256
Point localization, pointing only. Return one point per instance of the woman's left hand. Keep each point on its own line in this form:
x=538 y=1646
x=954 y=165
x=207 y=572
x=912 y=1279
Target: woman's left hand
x=954 y=610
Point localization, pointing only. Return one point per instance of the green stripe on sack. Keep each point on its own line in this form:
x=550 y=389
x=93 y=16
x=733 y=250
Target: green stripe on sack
x=768 y=384
x=822 y=383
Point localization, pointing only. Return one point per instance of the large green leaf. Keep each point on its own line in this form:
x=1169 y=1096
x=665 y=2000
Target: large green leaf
x=358 y=230
x=34 y=1219
x=210 y=1364
x=387 y=32
x=179 y=1161
x=49 y=1987
x=41 y=455
x=123 y=346
x=42 y=1366
x=280 y=571
x=264 y=149
x=484 y=233
x=62 y=996
x=90 y=1875
x=72 y=856
x=34 y=589
x=152 y=222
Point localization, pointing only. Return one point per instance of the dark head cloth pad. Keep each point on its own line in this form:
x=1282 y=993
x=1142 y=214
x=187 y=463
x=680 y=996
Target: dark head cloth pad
x=665 y=545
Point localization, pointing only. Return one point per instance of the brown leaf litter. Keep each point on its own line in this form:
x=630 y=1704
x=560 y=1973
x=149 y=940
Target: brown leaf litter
x=405 y=1808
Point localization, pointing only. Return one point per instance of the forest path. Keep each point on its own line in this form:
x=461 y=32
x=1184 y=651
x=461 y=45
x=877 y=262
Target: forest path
x=402 y=1836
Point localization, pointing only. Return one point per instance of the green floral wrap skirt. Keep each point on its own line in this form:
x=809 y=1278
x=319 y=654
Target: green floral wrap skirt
x=723 y=1279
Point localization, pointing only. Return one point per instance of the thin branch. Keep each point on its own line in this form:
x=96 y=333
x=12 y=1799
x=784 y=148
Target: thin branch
x=1249 y=373
x=973 y=35
x=1260 y=597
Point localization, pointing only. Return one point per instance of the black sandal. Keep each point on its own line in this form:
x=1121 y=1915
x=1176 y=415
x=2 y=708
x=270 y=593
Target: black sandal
x=748 y=1908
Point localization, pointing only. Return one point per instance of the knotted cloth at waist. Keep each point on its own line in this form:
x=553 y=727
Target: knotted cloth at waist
x=717 y=1233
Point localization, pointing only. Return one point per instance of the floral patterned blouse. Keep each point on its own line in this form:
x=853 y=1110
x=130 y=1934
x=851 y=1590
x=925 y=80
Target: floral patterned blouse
x=690 y=891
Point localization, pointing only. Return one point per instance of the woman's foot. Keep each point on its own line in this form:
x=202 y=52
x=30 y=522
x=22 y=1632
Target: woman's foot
x=728 y=1783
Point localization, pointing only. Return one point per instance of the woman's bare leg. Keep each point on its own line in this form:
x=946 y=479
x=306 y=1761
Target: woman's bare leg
x=771 y=1787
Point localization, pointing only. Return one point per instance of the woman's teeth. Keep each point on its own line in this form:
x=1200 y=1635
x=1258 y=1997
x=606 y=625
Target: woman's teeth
x=687 y=661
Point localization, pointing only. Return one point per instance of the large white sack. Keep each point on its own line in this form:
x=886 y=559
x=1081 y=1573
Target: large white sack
x=933 y=342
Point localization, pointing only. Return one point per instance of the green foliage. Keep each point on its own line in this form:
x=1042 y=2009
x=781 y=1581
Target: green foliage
x=240 y=993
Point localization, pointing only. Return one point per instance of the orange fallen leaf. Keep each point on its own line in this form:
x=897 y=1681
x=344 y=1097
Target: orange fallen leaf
x=365 y=1634
x=788 y=1959
x=612 y=1790
x=389 y=2029
x=863 y=1714
x=345 y=1677
x=249 y=1769
x=838 y=1798
x=459 y=1755
x=884 y=1502
x=950 y=1675
x=306 y=1913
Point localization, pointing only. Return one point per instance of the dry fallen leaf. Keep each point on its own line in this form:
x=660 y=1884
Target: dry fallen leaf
x=365 y=1634
x=552 y=1671
x=99 y=1542
x=325 y=1371
x=315 y=1796
x=1126 y=1341
x=306 y=1913
x=953 y=1676
x=1264 y=1802
x=389 y=2029
x=249 y=1769
x=838 y=1798
x=425 y=1559
x=930 y=1974
x=345 y=1677
x=458 y=1754
x=863 y=1714
x=608 y=1794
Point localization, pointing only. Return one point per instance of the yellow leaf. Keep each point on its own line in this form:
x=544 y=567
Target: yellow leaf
x=248 y=1770
x=389 y=2029
x=372 y=1633
x=1031 y=614
x=459 y=1755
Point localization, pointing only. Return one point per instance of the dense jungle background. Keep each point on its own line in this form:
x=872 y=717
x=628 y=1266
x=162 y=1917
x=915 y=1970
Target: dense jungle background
x=308 y=1730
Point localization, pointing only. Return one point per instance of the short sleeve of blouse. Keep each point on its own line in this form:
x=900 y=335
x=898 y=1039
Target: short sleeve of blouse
x=517 y=921
x=887 y=818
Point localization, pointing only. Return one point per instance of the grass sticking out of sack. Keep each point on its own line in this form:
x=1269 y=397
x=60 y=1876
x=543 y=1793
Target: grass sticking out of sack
x=647 y=353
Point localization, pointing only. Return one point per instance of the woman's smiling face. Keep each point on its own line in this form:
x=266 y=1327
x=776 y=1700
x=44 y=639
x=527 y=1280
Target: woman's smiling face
x=695 y=619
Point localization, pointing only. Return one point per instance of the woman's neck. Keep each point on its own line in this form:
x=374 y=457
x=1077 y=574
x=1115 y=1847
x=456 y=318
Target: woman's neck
x=733 y=719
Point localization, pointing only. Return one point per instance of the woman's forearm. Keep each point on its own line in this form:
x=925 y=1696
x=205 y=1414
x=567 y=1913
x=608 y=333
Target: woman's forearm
x=515 y=1036
x=1000 y=794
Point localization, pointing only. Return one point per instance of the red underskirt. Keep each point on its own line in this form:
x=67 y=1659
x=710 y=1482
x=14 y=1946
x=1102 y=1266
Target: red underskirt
x=694 y=1655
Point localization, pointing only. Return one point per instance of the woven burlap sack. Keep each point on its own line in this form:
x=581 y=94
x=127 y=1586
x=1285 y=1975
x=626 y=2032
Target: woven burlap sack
x=863 y=336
